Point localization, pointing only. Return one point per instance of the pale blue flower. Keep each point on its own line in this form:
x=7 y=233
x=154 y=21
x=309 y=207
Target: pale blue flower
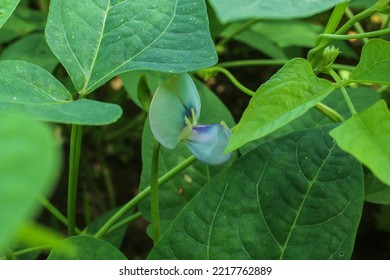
x=173 y=115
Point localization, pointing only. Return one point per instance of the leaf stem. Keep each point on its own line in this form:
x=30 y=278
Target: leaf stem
x=29 y=250
x=329 y=112
x=142 y=195
x=338 y=13
x=336 y=77
x=55 y=212
x=356 y=36
x=74 y=162
x=331 y=27
x=251 y=62
x=125 y=221
x=357 y=25
x=233 y=79
x=154 y=199
x=271 y=62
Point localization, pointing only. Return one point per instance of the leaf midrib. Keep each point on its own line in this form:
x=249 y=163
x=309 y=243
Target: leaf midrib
x=89 y=87
x=311 y=184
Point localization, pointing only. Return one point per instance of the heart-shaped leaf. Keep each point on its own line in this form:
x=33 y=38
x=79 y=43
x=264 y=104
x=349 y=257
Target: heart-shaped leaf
x=234 y=10
x=373 y=66
x=96 y=40
x=367 y=136
x=6 y=9
x=294 y=197
x=28 y=90
x=290 y=93
x=86 y=248
x=29 y=166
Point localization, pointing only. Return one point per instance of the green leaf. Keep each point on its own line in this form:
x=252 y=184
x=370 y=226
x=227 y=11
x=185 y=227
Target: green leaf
x=376 y=191
x=28 y=90
x=233 y=10
x=96 y=40
x=87 y=248
x=22 y=22
x=31 y=48
x=362 y=97
x=6 y=9
x=291 y=92
x=29 y=166
x=373 y=66
x=367 y=136
x=252 y=39
x=294 y=197
x=176 y=193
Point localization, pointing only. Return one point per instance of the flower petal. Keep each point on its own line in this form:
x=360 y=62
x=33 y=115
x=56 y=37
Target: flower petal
x=171 y=103
x=207 y=143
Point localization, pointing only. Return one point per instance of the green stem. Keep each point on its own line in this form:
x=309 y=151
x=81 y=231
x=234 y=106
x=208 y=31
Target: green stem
x=356 y=36
x=28 y=250
x=55 y=212
x=323 y=42
x=359 y=28
x=154 y=199
x=352 y=21
x=343 y=67
x=251 y=62
x=142 y=195
x=329 y=112
x=125 y=221
x=239 y=29
x=74 y=162
x=233 y=79
x=260 y=62
x=336 y=77
x=331 y=27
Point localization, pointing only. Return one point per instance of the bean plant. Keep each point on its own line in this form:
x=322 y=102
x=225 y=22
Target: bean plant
x=284 y=177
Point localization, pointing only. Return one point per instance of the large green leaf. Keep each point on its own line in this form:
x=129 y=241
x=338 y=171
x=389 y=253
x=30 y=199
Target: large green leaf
x=362 y=98
x=291 y=92
x=6 y=9
x=373 y=66
x=235 y=10
x=98 y=39
x=294 y=197
x=31 y=48
x=176 y=193
x=86 y=248
x=367 y=136
x=29 y=166
x=28 y=90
